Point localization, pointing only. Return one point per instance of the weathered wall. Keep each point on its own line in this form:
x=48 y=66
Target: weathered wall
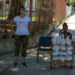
x=60 y=10
x=6 y=45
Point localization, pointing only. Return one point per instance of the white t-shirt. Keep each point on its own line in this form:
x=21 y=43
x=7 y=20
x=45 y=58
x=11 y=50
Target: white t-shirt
x=22 y=25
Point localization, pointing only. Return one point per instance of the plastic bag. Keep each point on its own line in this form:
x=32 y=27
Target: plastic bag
x=54 y=40
x=63 y=47
x=69 y=58
x=63 y=42
x=69 y=48
x=58 y=40
x=61 y=58
x=69 y=52
x=62 y=53
x=56 y=48
x=68 y=41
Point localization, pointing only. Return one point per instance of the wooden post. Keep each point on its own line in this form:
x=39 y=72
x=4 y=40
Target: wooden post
x=30 y=13
x=51 y=11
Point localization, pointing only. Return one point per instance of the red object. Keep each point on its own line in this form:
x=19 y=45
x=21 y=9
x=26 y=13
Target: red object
x=60 y=10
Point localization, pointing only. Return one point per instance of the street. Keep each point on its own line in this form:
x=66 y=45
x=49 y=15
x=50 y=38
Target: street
x=43 y=67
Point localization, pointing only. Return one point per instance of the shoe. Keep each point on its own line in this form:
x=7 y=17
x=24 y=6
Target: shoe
x=24 y=64
x=15 y=64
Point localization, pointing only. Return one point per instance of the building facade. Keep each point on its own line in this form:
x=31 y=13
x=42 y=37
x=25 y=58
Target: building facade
x=42 y=12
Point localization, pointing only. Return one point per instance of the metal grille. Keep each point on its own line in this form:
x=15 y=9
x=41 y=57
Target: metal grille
x=42 y=13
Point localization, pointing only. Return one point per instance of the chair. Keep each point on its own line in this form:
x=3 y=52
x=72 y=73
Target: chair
x=44 y=42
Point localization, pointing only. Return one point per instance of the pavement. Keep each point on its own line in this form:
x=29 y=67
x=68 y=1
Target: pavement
x=43 y=67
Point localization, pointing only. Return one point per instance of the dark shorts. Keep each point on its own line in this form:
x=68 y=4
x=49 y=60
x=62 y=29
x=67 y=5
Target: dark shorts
x=21 y=39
